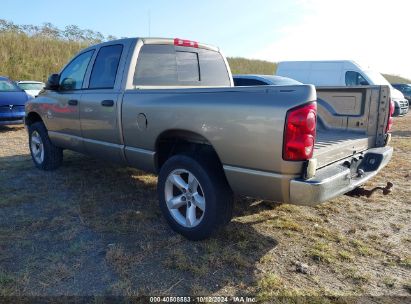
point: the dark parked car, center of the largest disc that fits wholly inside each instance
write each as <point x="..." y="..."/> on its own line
<point x="404" y="88"/>
<point x="255" y="80"/>
<point x="12" y="101"/>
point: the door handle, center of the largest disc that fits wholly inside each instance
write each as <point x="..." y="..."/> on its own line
<point x="73" y="102"/>
<point x="107" y="103"/>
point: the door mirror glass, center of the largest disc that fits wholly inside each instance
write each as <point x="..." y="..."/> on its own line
<point x="68" y="84"/>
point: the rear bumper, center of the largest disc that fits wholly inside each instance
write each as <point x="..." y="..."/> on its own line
<point x="337" y="179"/>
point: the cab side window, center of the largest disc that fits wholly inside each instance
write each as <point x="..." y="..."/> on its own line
<point x="156" y="66"/>
<point x="103" y="75"/>
<point x="73" y="75"/>
<point x="354" y="78"/>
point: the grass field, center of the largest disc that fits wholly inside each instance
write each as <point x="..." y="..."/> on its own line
<point x="91" y="228"/>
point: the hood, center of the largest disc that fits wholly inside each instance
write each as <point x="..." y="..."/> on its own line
<point x="395" y="94"/>
<point x="13" y="98"/>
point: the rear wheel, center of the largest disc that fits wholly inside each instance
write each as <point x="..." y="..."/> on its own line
<point x="45" y="155"/>
<point x="194" y="196"/>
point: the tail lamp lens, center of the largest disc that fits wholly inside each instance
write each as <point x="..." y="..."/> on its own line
<point x="390" y="119"/>
<point x="299" y="135"/>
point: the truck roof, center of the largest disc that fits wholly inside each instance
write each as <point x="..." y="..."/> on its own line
<point x="159" y="40"/>
<point x="298" y="63"/>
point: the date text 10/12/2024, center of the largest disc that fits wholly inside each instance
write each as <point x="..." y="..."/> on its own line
<point x="206" y="299"/>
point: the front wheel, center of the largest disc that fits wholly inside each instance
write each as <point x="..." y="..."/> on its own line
<point x="194" y="196"/>
<point x="45" y="155"/>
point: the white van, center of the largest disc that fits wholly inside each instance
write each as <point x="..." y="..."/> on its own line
<point x="339" y="73"/>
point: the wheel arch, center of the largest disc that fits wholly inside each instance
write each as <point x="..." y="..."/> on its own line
<point x="176" y="141"/>
<point x="31" y="118"/>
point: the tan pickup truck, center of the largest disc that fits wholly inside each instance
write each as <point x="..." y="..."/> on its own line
<point x="169" y="106"/>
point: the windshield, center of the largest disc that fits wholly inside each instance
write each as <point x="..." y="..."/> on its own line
<point x="31" y="86"/>
<point x="406" y="89"/>
<point x="376" y="78"/>
<point x="8" y="86"/>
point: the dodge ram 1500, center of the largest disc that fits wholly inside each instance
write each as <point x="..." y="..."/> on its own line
<point x="169" y="106"/>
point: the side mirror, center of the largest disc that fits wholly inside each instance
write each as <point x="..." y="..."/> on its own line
<point x="68" y="84"/>
<point x="363" y="83"/>
<point x="53" y="82"/>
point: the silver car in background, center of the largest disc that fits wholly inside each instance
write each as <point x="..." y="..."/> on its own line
<point x="32" y="88"/>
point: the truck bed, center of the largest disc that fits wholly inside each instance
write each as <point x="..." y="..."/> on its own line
<point x="349" y="121"/>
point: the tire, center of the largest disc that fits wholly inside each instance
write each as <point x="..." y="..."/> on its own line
<point x="44" y="154"/>
<point x="212" y="198"/>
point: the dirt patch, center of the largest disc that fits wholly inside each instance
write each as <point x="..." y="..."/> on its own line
<point x="91" y="228"/>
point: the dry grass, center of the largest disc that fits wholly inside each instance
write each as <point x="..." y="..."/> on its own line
<point x="251" y="66"/>
<point x="34" y="58"/>
<point x="91" y="228"/>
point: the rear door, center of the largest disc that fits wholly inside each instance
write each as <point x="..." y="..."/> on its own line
<point x="100" y="104"/>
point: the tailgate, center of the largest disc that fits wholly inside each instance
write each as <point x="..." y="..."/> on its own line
<point x="350" y="120"/>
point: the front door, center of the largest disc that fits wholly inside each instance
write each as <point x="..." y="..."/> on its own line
<point x="62" y="106"/>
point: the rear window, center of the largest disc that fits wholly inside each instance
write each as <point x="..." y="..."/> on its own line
<point x="188" y="68"/>
<point x="167" y="65"/>
<point x="213" y="69"/>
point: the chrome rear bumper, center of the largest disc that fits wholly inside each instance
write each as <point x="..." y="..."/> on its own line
<point x="338" y="178"/>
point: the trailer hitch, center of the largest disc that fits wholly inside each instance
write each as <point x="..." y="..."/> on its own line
<point x="361" y="191"/>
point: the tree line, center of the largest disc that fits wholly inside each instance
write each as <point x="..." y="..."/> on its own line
<point x="31" y="52"/>
<point x="50" y="31"/>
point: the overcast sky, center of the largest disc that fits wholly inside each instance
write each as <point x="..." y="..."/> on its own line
<point x="374" y="33"/>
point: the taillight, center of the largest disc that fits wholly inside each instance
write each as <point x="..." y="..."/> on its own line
<point x="390" y="119"/>
<point x="299" y="133"/>
<point x="183" y="42"/>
